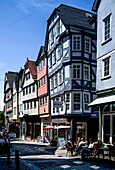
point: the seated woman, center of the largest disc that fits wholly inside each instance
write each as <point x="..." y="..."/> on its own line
<point x="85" y="151"/>
<point x="80" y="144"/>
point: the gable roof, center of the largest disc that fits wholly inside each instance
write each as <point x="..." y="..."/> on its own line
<point x="10" y="76"/>
<point x="32" y="67"/>
<point x="96" y="5"/>
<point x="72" y="16"/>
<point x="40" y="54"/>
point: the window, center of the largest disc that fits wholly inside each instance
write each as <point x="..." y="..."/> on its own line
<point x="57" y="108"/>
<point x="30" y="104"/>
<point x="50" y="61"/>
<point x="59" y="52"/>
<point x="51" y="36"/>
<point x="87" y="44"/>
<point x="76" y="100"/>
<point x="26" y="90"/>
<point x="34" y="104"/>
<point x="44" y="80"/>
<point x="54" y="57"/>
<point x="27" y="105"/>
<point x="67" y="101"/>
<point x="24" y="106"/>
<point x="106" y="63"/>
<point x="27" y="76"/>
<point x="57" y="28"/>
<point x="86" y="101"/>
<point x="51" y="82"/>
<point x="76" y="42"/>
<point x="29" y="89"/>
<point x="107" y="28"/>
<point x="86" y="72"/>
<point x="14" y="98"/>
<point x="45" y="99"/>
<point x="23" y="92"/>
<point x="33" y="87"/>
<point x="60" y="76"/>
<point x="43" y="62"/>
<point x="76" y="71"/>
<point x="55" y="80"/>
<point x="62" y="99"/>
<point x="14" y="110"/>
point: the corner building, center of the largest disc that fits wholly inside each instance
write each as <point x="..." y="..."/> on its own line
<point x="71" y="52"/>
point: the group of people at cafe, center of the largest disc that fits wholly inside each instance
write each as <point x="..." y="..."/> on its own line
<point x="83" y="147"/>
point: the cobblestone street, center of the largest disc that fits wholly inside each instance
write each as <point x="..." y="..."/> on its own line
<point x="42" y="157"/>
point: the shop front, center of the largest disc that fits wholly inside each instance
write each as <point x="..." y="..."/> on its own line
<point x="108" y="122"/>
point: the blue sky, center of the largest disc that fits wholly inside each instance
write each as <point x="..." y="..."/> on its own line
<point x="22" y="31"/>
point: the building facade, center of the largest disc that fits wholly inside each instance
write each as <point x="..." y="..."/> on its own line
<point x="71" y="52"/>
<point x="30" y="121"/>
<point x="9" y="82"/>
<point x="105" y="86"/>
<point x="43" y="94"/>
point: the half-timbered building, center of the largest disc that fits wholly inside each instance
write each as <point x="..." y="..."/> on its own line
<point x="71" y="51"/>
<point x="30" y="122"/>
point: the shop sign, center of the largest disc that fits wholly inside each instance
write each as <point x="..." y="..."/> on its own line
<point x="59" y="120"/>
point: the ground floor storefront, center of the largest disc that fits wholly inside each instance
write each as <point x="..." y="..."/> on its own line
<point x="30" y="127"/>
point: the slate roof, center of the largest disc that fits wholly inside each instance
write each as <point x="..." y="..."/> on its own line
<point x="10" y="77"/>
<point x="32" y="67"/>
<point x="72" y="16"/>
<point x="40" y="54"/>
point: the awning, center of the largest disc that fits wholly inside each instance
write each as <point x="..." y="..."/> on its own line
<point x="62" y="127"/>
<point x="102" y="100"/>
<point x="48" y="128"/>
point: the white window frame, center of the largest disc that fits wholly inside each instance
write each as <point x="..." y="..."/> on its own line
<point x="57" y="28"/>
<point x="86" y="76"/>
<point x="59" y="52"/>
<point x="60" y="76"/>
<point x="55" y="80"/>
<point x="87" y="44"/>
<point x="53" y="57"/>
<point x="76" y="42"/>
<point x="50" y="61"/>
<point x="76" y="71"/>
<point x="106" y="27"/>
<point x="77" y="102"/>
<point x="86" y="101"/>
<point x="67" y="101"/>
<point x="106" y="68"/>
<point x="51" y="83"/>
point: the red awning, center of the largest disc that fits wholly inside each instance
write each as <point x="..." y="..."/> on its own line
<point x="48" y="128"/>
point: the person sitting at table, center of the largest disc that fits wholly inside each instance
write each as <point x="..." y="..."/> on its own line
<point x="80" y="145"/>
<point x="86" y="150"/>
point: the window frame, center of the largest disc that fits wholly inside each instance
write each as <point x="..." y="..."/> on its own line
<point x="105" y="70"/>
<point x="75" y="70"/>
<point x="87" y="78"/>
<point x="87" y="44"/>
<point x="77" y="102"/>
<point x="86" y="102"/>
<point x="106" y="38"/>
<point x="76" y="42"/>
